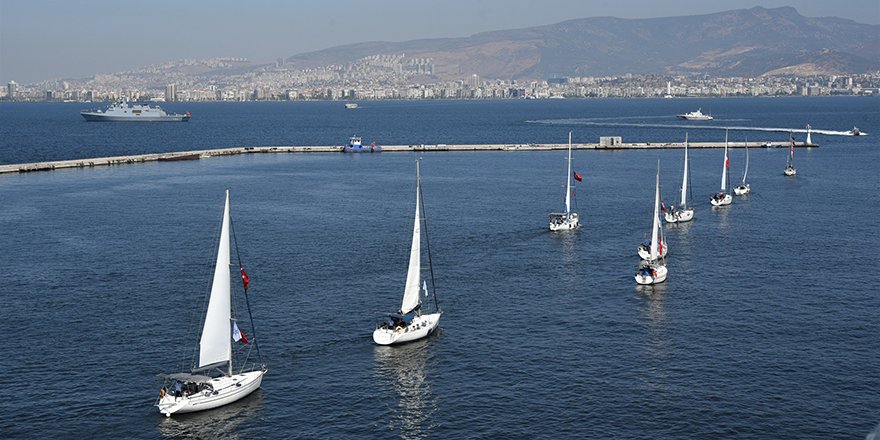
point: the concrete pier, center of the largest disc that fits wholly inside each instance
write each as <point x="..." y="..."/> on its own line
<point x="202" y="154"/>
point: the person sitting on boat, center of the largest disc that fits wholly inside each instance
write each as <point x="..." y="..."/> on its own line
<point x="206" y="388"/>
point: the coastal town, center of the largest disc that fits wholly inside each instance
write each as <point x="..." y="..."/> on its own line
<point x="396" y="76"/>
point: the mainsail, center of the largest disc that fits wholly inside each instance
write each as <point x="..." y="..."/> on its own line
<point x="414" y="273"/>
<point x="724" y="167"/>
<point x="655" y="231"/>
<point x="215" y="346"/>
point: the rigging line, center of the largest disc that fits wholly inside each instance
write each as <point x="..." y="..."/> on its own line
<point x="246" y="297"/>
<point x="427" y="239"/>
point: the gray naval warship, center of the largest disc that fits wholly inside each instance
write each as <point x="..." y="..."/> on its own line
<point x="122" y="111"/>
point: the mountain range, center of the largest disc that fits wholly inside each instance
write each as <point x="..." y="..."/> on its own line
<point x="745" y="42"/>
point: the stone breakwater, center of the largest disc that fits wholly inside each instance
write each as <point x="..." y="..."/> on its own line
<point x="202" y="154"/>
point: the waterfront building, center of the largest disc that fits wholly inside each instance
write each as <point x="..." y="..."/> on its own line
<point x="11" y="90"/>
<point x="171" y="92"/>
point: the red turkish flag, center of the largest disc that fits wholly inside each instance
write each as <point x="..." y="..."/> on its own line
<point x="244" y="278"/>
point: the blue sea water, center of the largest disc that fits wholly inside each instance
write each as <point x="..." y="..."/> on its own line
<point x="766" y="328"/>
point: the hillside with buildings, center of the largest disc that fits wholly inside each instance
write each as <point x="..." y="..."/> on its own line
<point x="752" y="52"/>
<point x="745" y="42"/>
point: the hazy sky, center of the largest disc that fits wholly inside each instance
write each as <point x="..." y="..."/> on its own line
<point x="49" y="39"/>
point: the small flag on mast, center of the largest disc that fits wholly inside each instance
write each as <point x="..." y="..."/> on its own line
<point x="237" y="334"/>
<point x="578" y="177"/>
<point x="245" y="280"/>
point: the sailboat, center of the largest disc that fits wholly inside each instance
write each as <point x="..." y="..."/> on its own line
<point x="789" y="167"/>
<point x="683" y="213"/>
<point x="214" y="381"/>
<point x="653" y="270"/>
<point x="409" y="323"/>
<point x="744" y="188"/>
<point x="644" y="248"/>
<point x="723" y="198"/>
<point x="563" y="221"/>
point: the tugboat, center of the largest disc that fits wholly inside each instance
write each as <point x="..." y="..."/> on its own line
<point x="122" y="111"/>
<point x="355" y="146"/>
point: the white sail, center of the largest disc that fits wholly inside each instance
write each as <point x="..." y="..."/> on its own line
<point x="568" y="182"/>
<point x="684" y="178"/>
<point x="414" y="273"/>
<point x="655" y="231"/>
<point x="724" y="166"/>
<point x="746" y="172"/>
<point x="215" y="345"/>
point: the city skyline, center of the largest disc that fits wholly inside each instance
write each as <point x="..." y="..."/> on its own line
<point x="80" y="39"/>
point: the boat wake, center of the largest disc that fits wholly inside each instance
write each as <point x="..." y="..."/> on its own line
<point x="596" y="122"/>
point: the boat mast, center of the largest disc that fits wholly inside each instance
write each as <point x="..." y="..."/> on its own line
<point x="568" y="182"/>
<point x="746" y="172"/>
<point x="684" y="177"/>
<point x="427" y="239"/>
<point x="414" y="270"/>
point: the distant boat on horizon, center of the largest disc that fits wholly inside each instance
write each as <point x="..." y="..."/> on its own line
<point x="122" y="111"/>
<point x="696" y="116"/>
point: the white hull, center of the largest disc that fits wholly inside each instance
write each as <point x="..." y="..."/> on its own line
<point x="722" y="201"/>
<point x="680" y="216"/>
<point x="657" y="275"/>
<point x="226" y="390"/>
<point x="742" y="190"/>
<point x="645" y="251"/>
<point x="696" y="116"/>
<point x="790" y="171"/>
<point x="565" y="225"/>
<point x="420" y="327"/>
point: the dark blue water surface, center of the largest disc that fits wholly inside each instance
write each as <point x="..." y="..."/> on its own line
<point x="767" y="327"/>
